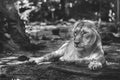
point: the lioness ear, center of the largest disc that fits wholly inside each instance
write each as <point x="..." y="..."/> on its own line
<point x="75" y="25"/>
<point x="96" y="25"/>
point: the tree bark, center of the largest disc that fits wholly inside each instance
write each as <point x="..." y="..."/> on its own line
<point x="64" y="9"/>
<point x="15" y="27"/>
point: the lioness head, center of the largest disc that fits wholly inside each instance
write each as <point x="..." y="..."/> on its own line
<point x="85" y="34"/>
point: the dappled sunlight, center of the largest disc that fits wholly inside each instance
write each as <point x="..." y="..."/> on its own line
<point x="30" y="29"/>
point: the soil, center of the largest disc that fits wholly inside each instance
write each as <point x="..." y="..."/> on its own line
<point x="57" y="70"/>
<point x="61" y="70"/>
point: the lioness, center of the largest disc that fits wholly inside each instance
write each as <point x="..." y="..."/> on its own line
<point x="84" y="47"/>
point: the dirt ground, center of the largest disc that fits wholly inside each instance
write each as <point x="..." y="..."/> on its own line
<point x="61" y="70"/>
<point x="58" y="70"/>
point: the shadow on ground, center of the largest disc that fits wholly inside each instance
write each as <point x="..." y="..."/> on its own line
<point x="62" y="70"/>
<point x="59" y="71"/>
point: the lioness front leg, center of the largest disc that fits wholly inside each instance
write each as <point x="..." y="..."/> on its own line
<point x="47" y="57"/>
<point x="96" y="64"/>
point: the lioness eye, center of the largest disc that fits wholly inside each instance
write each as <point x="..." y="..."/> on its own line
<point x="75" y="33"/>
<point x="84" y="32"/>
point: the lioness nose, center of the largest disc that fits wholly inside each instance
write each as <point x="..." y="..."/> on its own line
<point x="76" y="42"/>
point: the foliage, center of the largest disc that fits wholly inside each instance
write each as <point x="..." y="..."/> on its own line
<point x="89" y="9"/>
<point x="16" y="14"/>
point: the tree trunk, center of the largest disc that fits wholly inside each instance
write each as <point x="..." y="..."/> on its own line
<point x="15" y="27"/>
<point x="65" y="9"/>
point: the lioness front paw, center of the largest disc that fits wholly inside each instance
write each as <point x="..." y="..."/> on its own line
<point x="94" y="65"/>
<point x="36" y="60"/>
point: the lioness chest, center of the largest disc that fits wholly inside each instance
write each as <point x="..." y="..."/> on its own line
<point x="71" y="53"/>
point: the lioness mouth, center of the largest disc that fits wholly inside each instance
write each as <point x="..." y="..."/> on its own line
<point x="78" y="46"/>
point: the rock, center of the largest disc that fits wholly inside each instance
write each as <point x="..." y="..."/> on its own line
<point x="22" y="58"/>
<point x="56" y="31"/>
